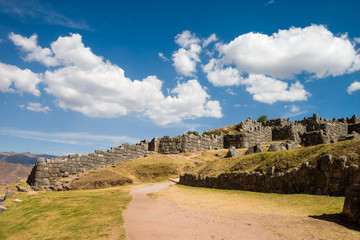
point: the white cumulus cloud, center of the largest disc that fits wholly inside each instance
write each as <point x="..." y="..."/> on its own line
<point x="312" y="49"/>
<point x="190" y="101"/>
<point x="268" y="90"/>
<point x="186" y="39"/>
<point x="14" y="79"/>
<point x="263" y="62"/>
<point x="219" y="75"/>
<point x="35" y="107"/>
<point x="33" y="50"/>
<point x="186" y="57"/>
<point x="210" y="39"/>
<point x="86" y="83"/>
<point x="355" y="86"/>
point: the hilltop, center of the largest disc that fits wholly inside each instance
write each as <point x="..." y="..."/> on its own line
<point x="27" y="159"/>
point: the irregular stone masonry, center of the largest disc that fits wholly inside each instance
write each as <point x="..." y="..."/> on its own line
<point x="328" y="177"/>
<point x="188" y="143"/>
<point x="288" y="132"/>
<point x="354" y="128"/>
<point x="258" y="135"/>
<point x="309" y="131"/>
<point x="46" y="171"/>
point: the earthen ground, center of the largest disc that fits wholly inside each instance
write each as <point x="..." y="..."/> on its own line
<point x="149" y="217"/>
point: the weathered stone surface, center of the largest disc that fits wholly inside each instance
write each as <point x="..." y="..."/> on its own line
<point x="21" y="188"/>
<point x="254" y="149"/>
<point x="219" y="154"/>
<point x="308" y="179"/>
<point x="309" y="131"/>
<point x="233" y="153"/>
<point x="274" y="147"/>
<point x="352" y="200"/>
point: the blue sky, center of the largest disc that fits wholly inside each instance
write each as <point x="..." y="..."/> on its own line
<point x="76" y="76"/>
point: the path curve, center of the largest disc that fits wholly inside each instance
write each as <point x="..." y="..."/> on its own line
<point x="148" y="218"/>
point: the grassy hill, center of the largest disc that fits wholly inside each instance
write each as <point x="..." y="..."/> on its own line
<point x="283" y="160"/>
<point x="97" y="214"/>
<point x="27" y="159"/>
<point x="10" y="172"/>
<point x="158" y="167"/>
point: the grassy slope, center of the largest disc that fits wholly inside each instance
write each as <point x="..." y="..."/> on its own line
<point x="93" y="214"/>
<point x="85" y="214"/>
<point x="96" y="214"/>
<point x="283" y="160"/>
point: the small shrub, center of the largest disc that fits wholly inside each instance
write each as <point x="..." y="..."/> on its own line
<point x="193" y="132"/>
<point x="262" y="118"/>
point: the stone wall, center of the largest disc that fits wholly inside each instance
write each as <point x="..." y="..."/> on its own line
<point x="328" y="177"/>
<point x="315" y="138"/>
<point x="354" y="128"/>
<point x="335" y="128"/>
<point x="288" y="132"/>
<point x="46" y="171"/>
<point x="259" y="134"/>
<point x="309" y="131"/>
<point x="351" y="209"/>
<point x="189" y="143"/>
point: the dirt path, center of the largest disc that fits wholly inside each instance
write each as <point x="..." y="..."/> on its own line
<point x="149" y="218"/>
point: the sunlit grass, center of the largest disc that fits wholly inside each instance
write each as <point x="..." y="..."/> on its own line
<point x="92" y="214"/>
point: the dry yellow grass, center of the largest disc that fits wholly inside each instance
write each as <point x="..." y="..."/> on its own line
<point x="283" y="213"/>
<point x="283" y="160"/>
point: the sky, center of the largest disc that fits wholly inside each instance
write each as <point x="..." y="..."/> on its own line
<point x="76" y="76"/>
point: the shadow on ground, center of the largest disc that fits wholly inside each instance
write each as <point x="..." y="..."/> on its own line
<point x="338" y="219"/>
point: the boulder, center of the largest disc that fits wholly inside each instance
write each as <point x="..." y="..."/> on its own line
<point x="290" y="144"/>
<point x="275" y="147"/>
<point x="21" y="188"/>
<point x="351" y="208"/>
<point x="254" y="149"/>
<point x="233" y="152"/>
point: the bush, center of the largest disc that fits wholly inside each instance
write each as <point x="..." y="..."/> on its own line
<point x="262" y="118"/>
<point x="193" y="132"/>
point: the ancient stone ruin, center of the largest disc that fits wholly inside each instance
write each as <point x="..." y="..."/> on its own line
<point x="309" y="131"/>
<point x="328" y="177"/>
<point x="351" y="208"/>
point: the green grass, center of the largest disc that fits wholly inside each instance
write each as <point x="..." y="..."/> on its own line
<point x="92" y="214"/>
<point x="283" y="160"/>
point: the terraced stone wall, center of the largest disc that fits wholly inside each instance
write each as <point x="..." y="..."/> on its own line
<point x="46" y="171"/>
<point x="329" y="177"/>
<point x="189" y="143"/>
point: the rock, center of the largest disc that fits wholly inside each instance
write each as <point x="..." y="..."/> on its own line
<point x="233" y="152"/>
<point x="17" y="200"/>
<point x="219" y="154"/>
<point x="36" y="188"/>
<point x="2" y="208"/>
<point x="275" y="147"/>
<point x="271" y="171"/>
<point x="290" y="144"/>
<point x="254" y="149"/>
<point x="351" y="208"/>
<point x="21" y="188"/>
<point x="338" y="167"/>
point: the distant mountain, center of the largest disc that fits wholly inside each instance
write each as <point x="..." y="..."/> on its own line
<point x="10" y="172"/>
<point x="27" y="159"/>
